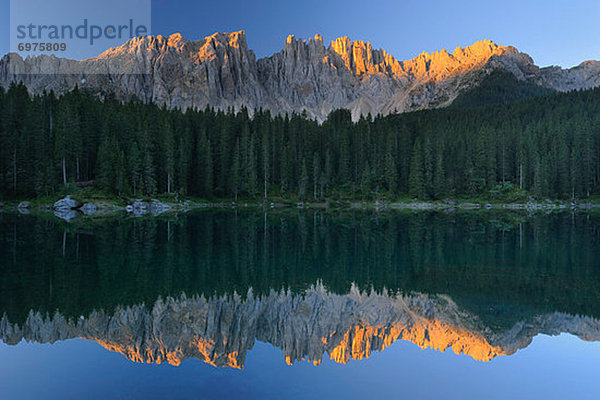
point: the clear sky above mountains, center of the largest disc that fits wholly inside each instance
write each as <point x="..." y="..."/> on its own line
<point x="552" y="32"/>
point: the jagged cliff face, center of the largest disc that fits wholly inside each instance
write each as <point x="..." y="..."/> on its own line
<point x="219" y="70"/>
<point x="221" y="331"/>
<point x="306" y="75"/>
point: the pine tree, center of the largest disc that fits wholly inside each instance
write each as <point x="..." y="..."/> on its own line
<point x="169" y="144"/>
<point x="391" y="173"/>
<point x="134" y="161"/>
<point x="252" y="172"/>
<point x="416" y="181"/>
<point x="205" y="167"/>
<point x="103" y="166"/>
<point x="303" y="185"/>
<point x="439" y="175"/>
<point x="183" y="162"/>
<point x="328" y="171"/>
<point x="266" y="160"/>
<point x="235" y="172"/>
<point x="316" y="174"/>
<point x="148" y="178"/>
<point x="366" y="181"/>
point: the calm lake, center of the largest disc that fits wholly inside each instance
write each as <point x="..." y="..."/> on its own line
<point x="294" y="305"/>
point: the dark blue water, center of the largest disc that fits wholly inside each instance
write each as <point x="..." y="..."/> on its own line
<point x="551" y="368"/>
<point x="461" y="306"/>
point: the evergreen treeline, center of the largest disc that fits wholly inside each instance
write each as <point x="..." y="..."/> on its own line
<point x="496" y="88"/>
<point x="548" y="145"/>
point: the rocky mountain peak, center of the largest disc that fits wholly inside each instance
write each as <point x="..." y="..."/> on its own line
<point x="290" y="40"/>
<point x="480" y="49"/>
<point x="175" y="42"/>
<point x="361" y="59"/>
<point x="441" y="65"/>
<point x="232" y="39"/>
<point x="221" y="71"/>
<point x="231" y="47"/>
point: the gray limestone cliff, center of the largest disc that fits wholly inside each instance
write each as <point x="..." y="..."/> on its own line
<point x="307" y="75"/>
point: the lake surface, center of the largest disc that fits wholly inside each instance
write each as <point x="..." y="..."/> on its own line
<point x="226" y="304"/>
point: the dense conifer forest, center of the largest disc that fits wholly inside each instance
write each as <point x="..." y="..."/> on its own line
<point x="548" y="146"/>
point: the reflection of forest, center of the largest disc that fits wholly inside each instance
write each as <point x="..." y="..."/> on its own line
<point x="495" y="266"/>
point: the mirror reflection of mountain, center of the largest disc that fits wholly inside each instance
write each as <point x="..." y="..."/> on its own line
<point x="166" y="289"/>
<point x="221" y="330"/>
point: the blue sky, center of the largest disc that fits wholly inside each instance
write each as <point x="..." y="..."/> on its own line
<point x="552" y="32"/>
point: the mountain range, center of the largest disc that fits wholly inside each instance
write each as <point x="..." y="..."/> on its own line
<point x="305" y="76"/>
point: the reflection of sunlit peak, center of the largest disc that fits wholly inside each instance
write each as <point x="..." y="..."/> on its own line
<point x="309" y="326"/>
<point x="360" y="341"/>
<point x="140" y="355"/>
<point x="175" y="357"/>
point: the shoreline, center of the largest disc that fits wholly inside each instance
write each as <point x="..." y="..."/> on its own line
<point x="153" y="207"/>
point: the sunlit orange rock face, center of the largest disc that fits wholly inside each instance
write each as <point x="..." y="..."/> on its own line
<point x="198" y="348"/>
<point x="308" y="326"/>
<point x="357" y="343"/>
<point x="360" y="58"/>
<point x="139" y="355"/>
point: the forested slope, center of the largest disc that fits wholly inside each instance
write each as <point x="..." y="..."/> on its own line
<point x="548" y="145"/>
